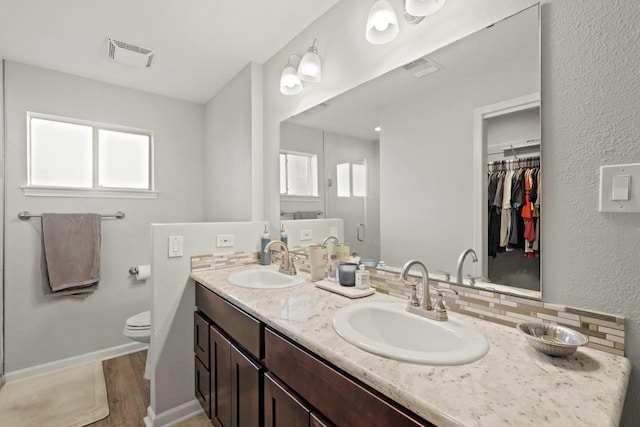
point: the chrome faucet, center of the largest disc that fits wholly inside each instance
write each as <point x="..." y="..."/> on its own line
<point x="287" y="266"/>
<point x="463" y="255"/>
<point x="325" y="241"/>
<point x="424" y="307"/>
<point x="413" y="300"/>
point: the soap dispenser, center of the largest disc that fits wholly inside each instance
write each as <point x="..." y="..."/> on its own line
<point x="283" y="235"/>
<point x="265" y="258"/>
<point x="363" y="278"/>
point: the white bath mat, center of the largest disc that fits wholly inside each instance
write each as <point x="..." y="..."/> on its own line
<point x="70" y="397"/>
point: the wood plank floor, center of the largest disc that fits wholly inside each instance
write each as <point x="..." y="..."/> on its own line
<point x="128" y="394"/>
<point x="127" y="391"/>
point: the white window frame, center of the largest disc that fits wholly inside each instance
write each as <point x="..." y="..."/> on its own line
<point x="96" y="190"/>
<point x="351" y="174"/>
<point x="288" y="197"/>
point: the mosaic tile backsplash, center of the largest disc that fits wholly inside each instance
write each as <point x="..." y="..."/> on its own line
<point x="606" y="332"/>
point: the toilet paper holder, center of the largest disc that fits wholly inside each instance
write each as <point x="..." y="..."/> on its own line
<point x="133" y="270"/>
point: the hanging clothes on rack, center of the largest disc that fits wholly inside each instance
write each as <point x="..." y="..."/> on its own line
<point x="513" y="206"/>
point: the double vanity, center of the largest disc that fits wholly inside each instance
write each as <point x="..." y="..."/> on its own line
<point x="274" y="355"/>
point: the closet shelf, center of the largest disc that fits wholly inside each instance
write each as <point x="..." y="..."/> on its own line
<point x="513" y="145"/>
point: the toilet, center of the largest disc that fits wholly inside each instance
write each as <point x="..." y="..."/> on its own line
<point x="138" y="327"/>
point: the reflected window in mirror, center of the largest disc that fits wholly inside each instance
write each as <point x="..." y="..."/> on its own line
<point x="351" y="180"/>
<point x="298" y="174"/>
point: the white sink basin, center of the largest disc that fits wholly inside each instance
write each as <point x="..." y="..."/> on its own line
<point x="264" y="279"/>
<point x="388" y="330"/>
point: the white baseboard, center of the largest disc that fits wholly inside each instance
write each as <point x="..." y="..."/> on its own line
<point x="173" y="415"/>
<point x="107" y="353"/>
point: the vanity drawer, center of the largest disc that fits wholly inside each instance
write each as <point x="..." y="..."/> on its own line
<point x="330" y="391"/>
<point x="201" y="339"/>
<point x="244" y="328"/>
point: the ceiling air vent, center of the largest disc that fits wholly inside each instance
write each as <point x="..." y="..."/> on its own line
<point x="422" y="66"/>
<point x="129" y="54"/>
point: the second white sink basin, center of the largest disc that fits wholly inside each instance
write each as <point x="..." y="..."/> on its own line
<point x="264" y="279"/>
<point x="388" y="330"/>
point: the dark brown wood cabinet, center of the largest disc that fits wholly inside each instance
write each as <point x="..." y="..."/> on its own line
<point x="282" y="408"/>
<point x="246" y="388"/>
<point x="228" y="378"/>
<point x="220" y="359"/>
<point x="252" y="376"/>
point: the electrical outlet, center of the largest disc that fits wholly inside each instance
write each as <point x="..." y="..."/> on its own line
<point x="306" y="235"/>
<point x="225" y="240"/>
<point x="333" y="231"/>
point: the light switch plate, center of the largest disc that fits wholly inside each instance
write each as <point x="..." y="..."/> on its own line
<point x="333" y="231"/>
<point x="225" y="240"/>
<point x="306" y="235"/>
<point x="617" y="183"/>
<point x="175" y="246"/>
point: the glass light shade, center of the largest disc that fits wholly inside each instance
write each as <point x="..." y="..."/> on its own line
<point x="290" y="83"/>
<point x="382" y="23"/>
<point x="310" y="68"/>
<point x="423" y="7"/>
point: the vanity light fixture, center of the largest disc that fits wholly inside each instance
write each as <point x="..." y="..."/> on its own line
<point x="310" y="68"/>
<point x="382" y="23"/>
<point x="290" y="83"/>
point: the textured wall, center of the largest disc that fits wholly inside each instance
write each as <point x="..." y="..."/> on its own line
<point x="590" y="116"/>
<point x="590" y="97"/>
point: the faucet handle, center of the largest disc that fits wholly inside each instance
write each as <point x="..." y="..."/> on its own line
<point x="472" y="279"/>
<point x="439" y="305"/>
<point x="446" y="274"/>
<point x="413" y="299"/>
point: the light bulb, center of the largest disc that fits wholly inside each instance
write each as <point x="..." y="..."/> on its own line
<point x="290" y="84"/>
<point x="423" y="7"/>
<point x="310" y="68"/>
<point x="382" y="23"/>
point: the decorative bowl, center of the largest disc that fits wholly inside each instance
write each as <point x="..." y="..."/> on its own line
<point x="371" y="263"/>
<point x="552" y="340"/>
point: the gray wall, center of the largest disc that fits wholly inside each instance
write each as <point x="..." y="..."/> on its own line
<point x="590" y="102"/>
<point x="2" y="189"/>
<point x="231" y="130"/>
<point x="40" y="329"/>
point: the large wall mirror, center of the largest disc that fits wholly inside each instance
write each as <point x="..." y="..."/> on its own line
<point x="432" y="158"/>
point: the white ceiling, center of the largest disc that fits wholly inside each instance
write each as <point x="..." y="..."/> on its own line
<point x="200" y="44"/>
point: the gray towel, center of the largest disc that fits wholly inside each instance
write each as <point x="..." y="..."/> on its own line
<point x="305" y="215"/>
<point x="71" y="244"/>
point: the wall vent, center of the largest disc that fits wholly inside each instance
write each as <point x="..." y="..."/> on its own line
<point x="129" y="54"/>
<point x="422" y="66"/>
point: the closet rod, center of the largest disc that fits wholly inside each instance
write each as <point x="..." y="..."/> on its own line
<point x="26" y="215"/>
<point x="518" y="160"/>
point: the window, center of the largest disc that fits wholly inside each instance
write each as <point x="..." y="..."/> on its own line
<point x="298" y="174"/>
<point x="351" y="179"/>
<point x="80" y="158"/>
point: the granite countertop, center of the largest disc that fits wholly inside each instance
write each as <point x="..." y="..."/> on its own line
<point x="512" y="385"/>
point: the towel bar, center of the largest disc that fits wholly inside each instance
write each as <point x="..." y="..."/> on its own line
<point x="26" y="215"/>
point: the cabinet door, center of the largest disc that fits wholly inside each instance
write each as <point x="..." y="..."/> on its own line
<point x="220" y="360"/>
<point x="201" y="339"/>
<point x="318" y="420"/>
<point x="203" y="387"/>
<point x="281" y="407"/>
<point x="246" y="399"/>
